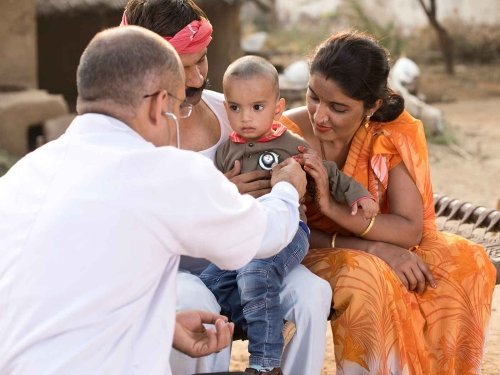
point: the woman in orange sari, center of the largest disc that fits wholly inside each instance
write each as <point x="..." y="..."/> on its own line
<point x="407" y="299"/>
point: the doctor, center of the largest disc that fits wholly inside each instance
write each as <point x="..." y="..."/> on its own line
<point x="93" y="224"/>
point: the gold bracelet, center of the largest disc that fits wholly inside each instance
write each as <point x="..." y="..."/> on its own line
<point x="368" y="228"/>
<point x="333" y="240"/>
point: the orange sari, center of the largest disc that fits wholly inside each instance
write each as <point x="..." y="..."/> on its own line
<point x="379" y="327"/>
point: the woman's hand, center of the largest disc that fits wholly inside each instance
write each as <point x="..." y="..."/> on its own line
<point x="408" y="266"/>
<point x="313" y="164"/>
<point x="256" y="183"/>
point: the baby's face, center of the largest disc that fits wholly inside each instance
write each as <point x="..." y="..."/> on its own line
<point x="251" y="106"/>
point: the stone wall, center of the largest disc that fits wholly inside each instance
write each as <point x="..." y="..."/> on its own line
<point x="24" y="109"/>
<point x="63" y="34"/>
<point x="18" y="62"/>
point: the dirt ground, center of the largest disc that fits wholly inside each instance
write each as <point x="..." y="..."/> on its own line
<point x="468" y="170"/>
<point x="472" y="176"/>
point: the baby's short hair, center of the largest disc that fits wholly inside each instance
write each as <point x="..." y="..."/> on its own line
<point x="250" y="66"/>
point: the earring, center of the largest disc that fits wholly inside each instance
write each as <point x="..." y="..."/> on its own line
<point x="367" y="120"/>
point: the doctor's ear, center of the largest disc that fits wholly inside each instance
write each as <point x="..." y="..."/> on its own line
<point x="155" y="107"/>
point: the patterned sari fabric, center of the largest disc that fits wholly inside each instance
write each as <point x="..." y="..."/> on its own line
<point x="379" y="327"/>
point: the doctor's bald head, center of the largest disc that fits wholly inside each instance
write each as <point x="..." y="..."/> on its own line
<point x="122" y="64"/>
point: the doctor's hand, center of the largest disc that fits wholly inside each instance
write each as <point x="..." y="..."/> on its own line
<point x="255" y="183"/>
<point x="192" y="338"/>
<point x="292" y="172"/>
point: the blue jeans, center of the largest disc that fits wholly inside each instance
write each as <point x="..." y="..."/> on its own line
<point x="250" y="297"/>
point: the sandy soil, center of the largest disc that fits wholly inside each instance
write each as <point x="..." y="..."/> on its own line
<point x="469" y="170"/>
<point x="472" y="176"/>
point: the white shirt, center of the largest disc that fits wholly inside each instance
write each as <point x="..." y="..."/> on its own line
<point x="91" y="228"/>
<point x="215" y="101"/>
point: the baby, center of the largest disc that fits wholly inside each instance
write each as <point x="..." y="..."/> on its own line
<point x="250" y="295"/>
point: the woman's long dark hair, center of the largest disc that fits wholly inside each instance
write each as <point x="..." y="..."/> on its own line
<point x="360" y="66"/>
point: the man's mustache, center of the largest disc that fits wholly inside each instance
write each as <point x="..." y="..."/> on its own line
<point x="191" y="91"/>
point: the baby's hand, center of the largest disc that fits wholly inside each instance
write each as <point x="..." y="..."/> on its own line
<point x="369" y="206"/>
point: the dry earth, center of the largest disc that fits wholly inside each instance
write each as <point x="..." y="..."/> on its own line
<point x="469" y="170"/>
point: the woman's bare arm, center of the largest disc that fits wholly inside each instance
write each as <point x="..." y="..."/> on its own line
<point x="402" y="226"/>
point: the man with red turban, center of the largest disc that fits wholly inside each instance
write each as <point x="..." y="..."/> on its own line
<point x="305" y="298"/>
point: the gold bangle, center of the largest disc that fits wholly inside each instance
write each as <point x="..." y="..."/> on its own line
<point x="368" y="228"/>
<point x="333" y="240"/>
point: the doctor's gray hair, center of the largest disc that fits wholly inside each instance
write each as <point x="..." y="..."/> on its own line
<point x="122" y="64"/>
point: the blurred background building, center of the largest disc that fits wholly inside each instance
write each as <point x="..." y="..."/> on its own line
<point x="41" y="42"/>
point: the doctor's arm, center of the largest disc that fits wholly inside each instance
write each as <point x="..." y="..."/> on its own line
<point x="232" y="228"/>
